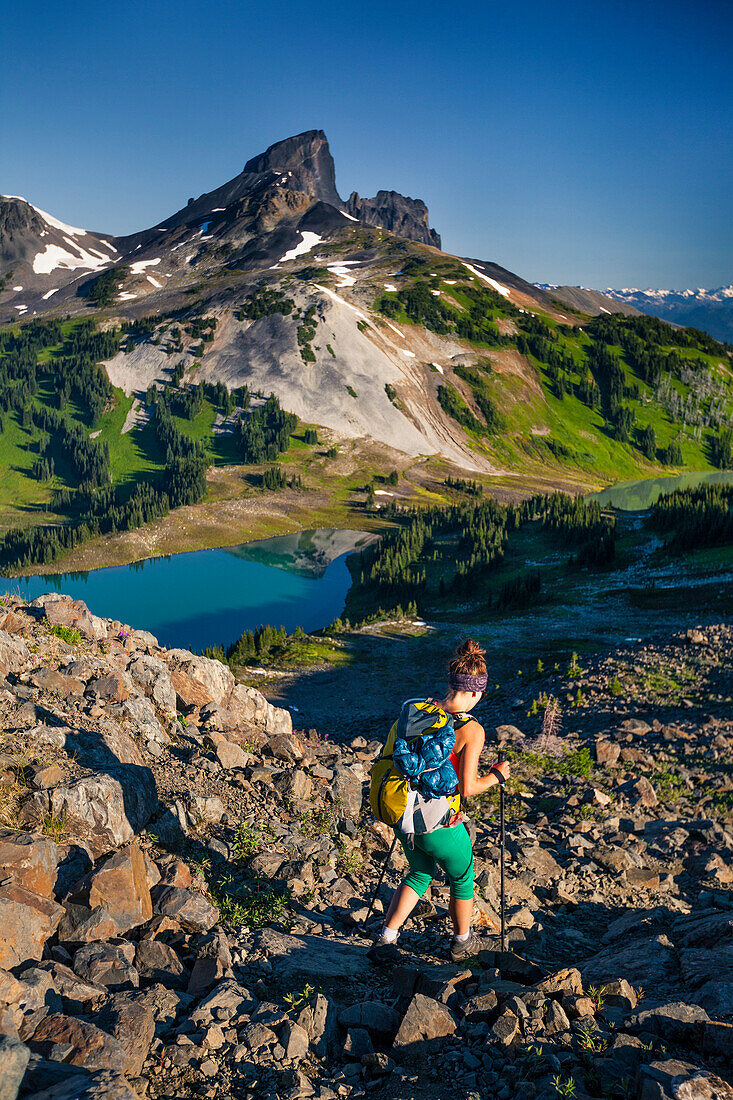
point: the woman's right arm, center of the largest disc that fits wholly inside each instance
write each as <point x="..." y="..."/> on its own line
<point x="469" y="781"/>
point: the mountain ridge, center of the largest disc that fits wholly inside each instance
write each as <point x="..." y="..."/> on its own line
<point x="708" y="309"/>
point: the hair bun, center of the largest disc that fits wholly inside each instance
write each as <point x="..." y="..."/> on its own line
<point x="470" y="646"/>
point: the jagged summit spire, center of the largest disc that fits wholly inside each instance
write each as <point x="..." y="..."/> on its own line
<point x="306" y="160"/>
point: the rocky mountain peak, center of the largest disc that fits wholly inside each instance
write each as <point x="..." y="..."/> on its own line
<point x="395" y="212"/>
<point x="306" y="161"/>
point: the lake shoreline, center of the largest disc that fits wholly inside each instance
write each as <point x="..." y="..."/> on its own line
<point x="208" y="598"/>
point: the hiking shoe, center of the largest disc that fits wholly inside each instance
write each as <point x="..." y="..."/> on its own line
<point x="383" y="952"/>
<point x="466" y="950"/>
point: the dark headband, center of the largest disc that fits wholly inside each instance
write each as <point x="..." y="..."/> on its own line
<point x="462" y="681"/>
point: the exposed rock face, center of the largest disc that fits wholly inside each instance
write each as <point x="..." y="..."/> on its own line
<point x="307" y="163"/>
<point x="397" y="213"/>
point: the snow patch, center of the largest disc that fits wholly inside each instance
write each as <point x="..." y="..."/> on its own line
<point x="389" y="325"/>
<point x="605" y="310"/>
<point x="390" y="286"/>
<point x="342" y="271"/>
<point x="409" y="354"/>
<point x="126" y="297"/>
<point x="48" y="293"/>
<point x="138" y="267"/>
<point x="218" y="209"/>
<point x="20" y="309"/>
<point x="308" y="241"/>
<point x="438" y="368"/>
<point x="153" y="281"/>
<point x="435" y="293"/>
<point x="337" y="298"/>
<point x="55" y="256"/>
<point x="349" y="216"/>
<point x="492" y="282"/>
<point x="382" y="493"/>
<point x="17" y="288"/>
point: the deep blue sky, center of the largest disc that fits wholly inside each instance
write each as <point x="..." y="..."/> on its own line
<point x="571" y="142"/>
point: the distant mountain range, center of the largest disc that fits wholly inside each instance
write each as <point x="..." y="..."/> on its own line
<point x="709" y="310"/>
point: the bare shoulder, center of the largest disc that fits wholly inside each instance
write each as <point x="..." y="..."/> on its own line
<point x="470" y="733"/>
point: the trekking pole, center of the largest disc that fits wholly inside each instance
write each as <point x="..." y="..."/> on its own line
<point x="501" y="857"/>
<point x="381" y="877"/>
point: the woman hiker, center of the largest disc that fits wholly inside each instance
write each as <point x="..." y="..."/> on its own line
<point x="449" y="846"/>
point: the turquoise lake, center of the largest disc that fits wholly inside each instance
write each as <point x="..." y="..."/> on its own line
<point x="208" y="597"/>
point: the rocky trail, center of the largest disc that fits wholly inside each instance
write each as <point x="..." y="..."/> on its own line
<point x="185" y="878"/>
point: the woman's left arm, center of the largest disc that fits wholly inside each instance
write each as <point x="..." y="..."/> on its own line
<point x="469" y="781"/>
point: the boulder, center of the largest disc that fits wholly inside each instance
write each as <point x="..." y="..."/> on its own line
<point x="295" y="1040"/>
<point x="286" y="748"/>
<point x="640" y="792"/>
<point x="27" y="920"/>
<point x="153" y="676"/>
<point x="28" y="861"/>
<point x="80" y="924"/>
<point x="347" y="791"/>
<point x="78" y="997"/>
<point x="119" y="885"/>
<point x="78" y="1084"/>
<point x="716" y="998"/>
<point x="213" y="962"/>
<point x="540" y="861"/>
<point x="293" y="957"/>
<point x="231" y="756"/>
<point x="91" y="1047"/>
<point x="674" y="1080"/>
<point x="14" y="653"/>
<point x="14" y="1057"/>
<point x="107" y="964"/>
<point x="130" y="1020"/>
<point x="718" y="1040"/>
<point x="61" y="610"/>
<point x="607" y="753"/>
<point x="208" y="811"/>
<point x="175" y="872"/>
<point x="212" y="677"/>
<point x="51" y="680"/>
<point x="506" y="1029"/>
<point x="374" y="1016"/>
<point x="141" y="713"/>
<point x="481" y="1007"/>
<point x="230" y="1002"/>
<point x="424" y="1024"/>
<point x="107" y="810"/>
<point x="620" y="995"/>
<point x="114" y="687"/>
<point x="192" y="911"/>
<point x="644" y="962"/>
<point x="505" y="733"/>
<point x="157" y="962"/>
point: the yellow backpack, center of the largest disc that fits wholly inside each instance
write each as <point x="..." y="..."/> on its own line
<point x="391" y="796"/>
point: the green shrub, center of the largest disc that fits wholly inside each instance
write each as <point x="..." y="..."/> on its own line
<point x="67" y="633"/>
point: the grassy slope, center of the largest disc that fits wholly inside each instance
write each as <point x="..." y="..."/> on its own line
<point x="535" y="414"/>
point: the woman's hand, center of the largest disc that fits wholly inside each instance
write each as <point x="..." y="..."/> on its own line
<point x="504" y="767"/>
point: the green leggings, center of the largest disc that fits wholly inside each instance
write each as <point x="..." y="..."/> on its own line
<point x="450" y="849"/>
